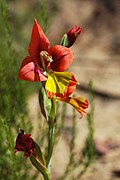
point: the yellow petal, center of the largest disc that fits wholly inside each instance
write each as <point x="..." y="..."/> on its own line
<point x="58" y="81"/>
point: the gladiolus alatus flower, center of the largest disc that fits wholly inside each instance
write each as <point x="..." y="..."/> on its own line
<point x="25" y="143"/>
<point x="79" y="103"/>
<point x="70" y="37"/>
<point x="46" y="63"/>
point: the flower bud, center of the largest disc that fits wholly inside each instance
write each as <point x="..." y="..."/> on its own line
<point x="25" y="143"/>
<point x="70" y="37"/>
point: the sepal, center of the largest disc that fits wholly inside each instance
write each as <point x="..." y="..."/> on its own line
<point x="64" y="41"/>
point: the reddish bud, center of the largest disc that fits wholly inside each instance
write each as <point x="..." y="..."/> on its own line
<point x="25" y="143"/>
<point x="72" y="35"/>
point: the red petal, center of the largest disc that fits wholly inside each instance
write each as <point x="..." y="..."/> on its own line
<point x="30" y="72"/>
<point x="62" y="58"/>
<point x="71" y="87"/>
<point x="39" y="41"/>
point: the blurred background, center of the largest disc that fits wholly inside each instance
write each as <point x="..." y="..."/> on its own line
<point x="97" y="60"/>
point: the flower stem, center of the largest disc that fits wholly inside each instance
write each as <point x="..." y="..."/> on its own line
<point x="50" y="146"/>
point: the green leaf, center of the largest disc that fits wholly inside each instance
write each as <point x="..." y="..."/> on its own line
<point x="52" y="115"/>
<point x="40" y="154"/>
<point x="45" y="103"/>
<point x="41" y="167"/>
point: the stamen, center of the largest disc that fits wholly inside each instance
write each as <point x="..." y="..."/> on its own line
<point x="46" y="56"/>
<point x="49" y="59"/>
<point x="42" y="59"/>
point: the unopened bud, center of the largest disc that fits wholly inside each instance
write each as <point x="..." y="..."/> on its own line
<point x="70" y="37"/>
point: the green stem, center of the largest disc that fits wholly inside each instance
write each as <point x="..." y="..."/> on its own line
<point x="50" y="146"/>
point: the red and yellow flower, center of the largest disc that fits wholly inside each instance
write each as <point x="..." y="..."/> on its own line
<point x="46" y="63"/>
